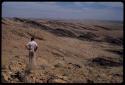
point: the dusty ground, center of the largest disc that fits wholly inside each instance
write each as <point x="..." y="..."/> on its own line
<point x="69" y="51"/>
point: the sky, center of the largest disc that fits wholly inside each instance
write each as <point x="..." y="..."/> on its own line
<point x="64" y="10"/>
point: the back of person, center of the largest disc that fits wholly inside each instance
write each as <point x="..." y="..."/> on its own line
<point x="32" y="46"/>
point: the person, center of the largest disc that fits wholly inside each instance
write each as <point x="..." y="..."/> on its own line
<point x="32" y="47"/>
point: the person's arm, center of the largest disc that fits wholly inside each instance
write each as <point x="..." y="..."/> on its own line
<point x="36" y="47"/>
<point x="27" y="46"/>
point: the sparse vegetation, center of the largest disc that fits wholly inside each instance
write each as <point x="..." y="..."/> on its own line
<point x="69" y="52"/>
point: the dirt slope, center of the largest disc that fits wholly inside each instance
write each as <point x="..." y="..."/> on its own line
<point x="69" y="52"/>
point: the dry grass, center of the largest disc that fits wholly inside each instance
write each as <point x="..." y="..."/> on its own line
<point x="64" y="55"/>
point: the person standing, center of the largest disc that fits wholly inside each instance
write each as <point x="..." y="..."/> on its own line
<point x="32" y="47"/>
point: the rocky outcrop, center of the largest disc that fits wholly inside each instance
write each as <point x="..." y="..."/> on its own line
<point x="106" y="61"/>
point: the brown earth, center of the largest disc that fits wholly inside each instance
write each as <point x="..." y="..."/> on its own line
<point x="69" y="52"/>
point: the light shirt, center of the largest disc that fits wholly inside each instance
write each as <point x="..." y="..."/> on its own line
<point x="32" y="45"/>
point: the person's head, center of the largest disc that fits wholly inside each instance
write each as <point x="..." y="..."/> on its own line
<point x="32" y="38"/>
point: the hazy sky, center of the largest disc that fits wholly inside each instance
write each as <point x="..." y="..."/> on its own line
<point x="64" y="10"/>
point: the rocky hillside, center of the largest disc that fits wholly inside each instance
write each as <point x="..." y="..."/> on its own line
<point x="69" y="51"/>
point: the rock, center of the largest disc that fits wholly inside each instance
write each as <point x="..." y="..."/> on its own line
<point x="106" y="61"/>
<point x="90" y="81"/>
<point x="58" y="65"/>
<point x="52" y="67"/>
<point x="5" y="78"/>
<point x="87" y="36"/>
<point x="38" y="81"/>
<point x="10" y="72"/>
<point x="16" y="80"/>
<point x="74" y="65"/>
<point x="63" y="77"/>
<point x="20" y="63"/>
<point x="58" y="81"/>
<point x="17" y="56"/>
<point x="43" y="66"/>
